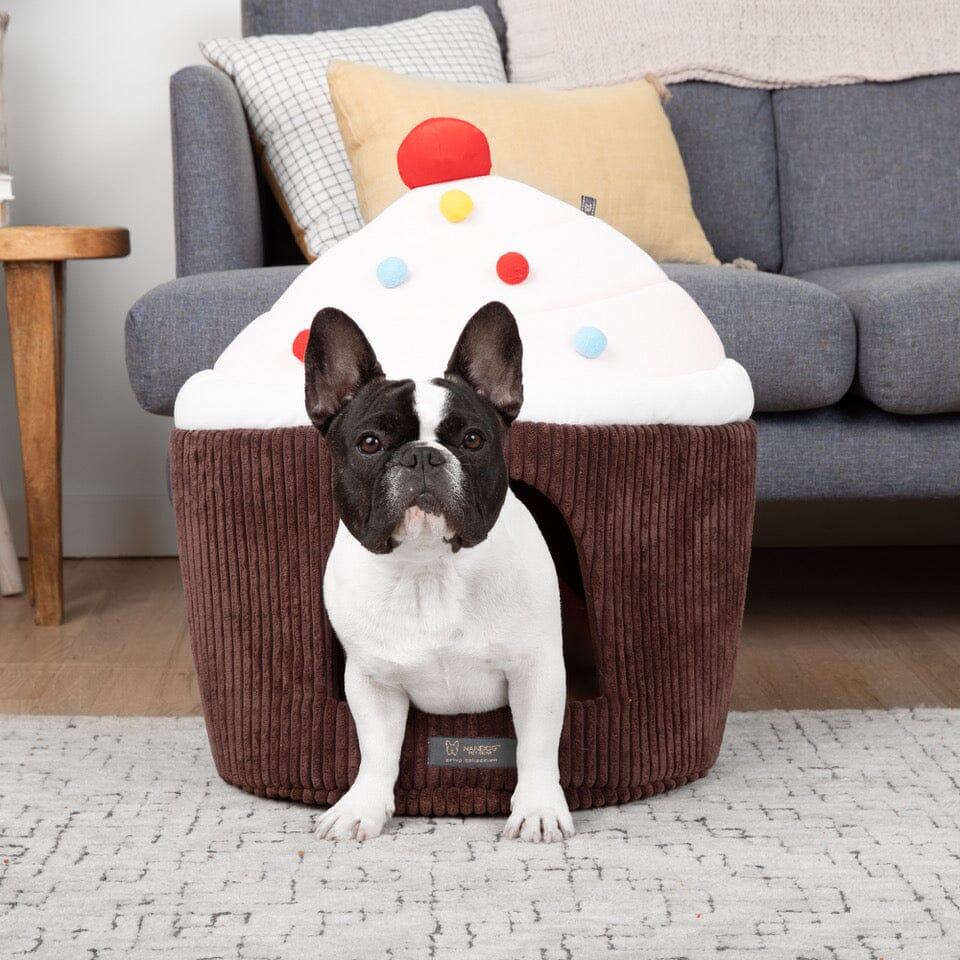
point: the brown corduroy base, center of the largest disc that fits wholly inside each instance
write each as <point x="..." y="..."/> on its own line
<point x="661" y="517"/>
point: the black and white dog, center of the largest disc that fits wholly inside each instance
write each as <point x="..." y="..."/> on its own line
<point x="439" y="585"/>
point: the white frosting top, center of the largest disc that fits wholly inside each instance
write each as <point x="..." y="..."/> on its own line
<point x="663" y="363"/>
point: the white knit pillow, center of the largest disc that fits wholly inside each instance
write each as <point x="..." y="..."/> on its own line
<point x="282" y="82"/>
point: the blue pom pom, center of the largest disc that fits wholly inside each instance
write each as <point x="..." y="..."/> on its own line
<point x="589" y="342"/>
<point x="392" y="272"/>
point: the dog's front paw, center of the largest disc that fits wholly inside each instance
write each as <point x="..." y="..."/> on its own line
<point x="539" y="814"/>
<point x="358" y="815"/>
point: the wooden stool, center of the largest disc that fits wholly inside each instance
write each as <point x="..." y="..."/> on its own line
<point x="34" y="259"/>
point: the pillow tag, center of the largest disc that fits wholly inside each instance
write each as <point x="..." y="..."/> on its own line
<point x="471" y="752"/>
<point x="588" y="205"/>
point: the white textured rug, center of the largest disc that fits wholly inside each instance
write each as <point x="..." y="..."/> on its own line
<point x="831" y="835"/>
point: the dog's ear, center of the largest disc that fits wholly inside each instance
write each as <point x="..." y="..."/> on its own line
<point x="338" y="361"/>
<point x="489" y="357"/>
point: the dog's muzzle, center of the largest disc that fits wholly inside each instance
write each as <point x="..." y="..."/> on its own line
<point x="424" y="477"/>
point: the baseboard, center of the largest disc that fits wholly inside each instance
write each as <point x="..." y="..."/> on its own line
<point x="107" y="526"/>
<point x="857" y="523"/>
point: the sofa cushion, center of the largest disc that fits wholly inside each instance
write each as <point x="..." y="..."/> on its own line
<point x="869" y="173"/>
<point x="795" y="339"/>
<point x="282" y="84"/>
<point x="908" y="332"/>
<point x="182" y="326"/>
<point x="725" y="135"/>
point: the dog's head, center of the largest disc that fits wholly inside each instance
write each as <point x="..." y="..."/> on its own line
<point x="416" y="462"/>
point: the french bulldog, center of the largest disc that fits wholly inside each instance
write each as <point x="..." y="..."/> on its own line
<point x="439" y="584"/>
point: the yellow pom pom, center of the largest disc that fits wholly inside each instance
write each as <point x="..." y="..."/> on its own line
<point x="456" y="205"/>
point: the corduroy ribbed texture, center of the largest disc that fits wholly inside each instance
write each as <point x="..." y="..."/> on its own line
<point x="662" y="519"/>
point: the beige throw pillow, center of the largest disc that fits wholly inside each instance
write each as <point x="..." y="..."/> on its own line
<point x="608" y="150"/>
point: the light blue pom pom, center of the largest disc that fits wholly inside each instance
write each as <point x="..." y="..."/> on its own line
<point x="589" y="342"/>
<point x="392" y="272"/>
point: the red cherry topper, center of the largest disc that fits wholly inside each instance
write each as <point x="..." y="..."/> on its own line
<point x="441" y="149"/>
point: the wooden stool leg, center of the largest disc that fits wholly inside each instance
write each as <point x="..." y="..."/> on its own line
<point x="33" y="311"/>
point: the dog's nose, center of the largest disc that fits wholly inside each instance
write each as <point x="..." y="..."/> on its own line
<point x="413" y="457"/>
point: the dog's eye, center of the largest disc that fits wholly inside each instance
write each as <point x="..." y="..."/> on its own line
<point x="369" y="443"/>
<point x="472" y="440"/>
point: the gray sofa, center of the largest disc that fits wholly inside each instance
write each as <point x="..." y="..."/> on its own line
<point x="847" y="198"/>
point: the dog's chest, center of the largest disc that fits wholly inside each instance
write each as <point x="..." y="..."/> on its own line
<point x="424" y="629"/>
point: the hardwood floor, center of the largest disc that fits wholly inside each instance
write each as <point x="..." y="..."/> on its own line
<point x="830" y="627"/>
<point x="123" y="647"/>
<point x="851" y="627"/>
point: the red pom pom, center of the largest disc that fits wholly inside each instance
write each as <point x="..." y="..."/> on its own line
<point x="300" y="344"/>
<point x="441" y="149"/>
<point x="513" y="268"/>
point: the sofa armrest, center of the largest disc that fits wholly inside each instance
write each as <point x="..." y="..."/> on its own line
<point x="183" y="325"/>
<point x="216" y="200"/>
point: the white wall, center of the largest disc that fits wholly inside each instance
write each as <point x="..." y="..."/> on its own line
<point x="89" y="133"/>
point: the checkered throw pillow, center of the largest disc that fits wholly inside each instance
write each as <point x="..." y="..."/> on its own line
<point x="282" y="82"/>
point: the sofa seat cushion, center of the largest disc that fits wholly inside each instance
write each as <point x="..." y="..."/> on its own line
<point x="796" y="340"/>
<point x="182" y="326"/>
<point x="908" y="331"/>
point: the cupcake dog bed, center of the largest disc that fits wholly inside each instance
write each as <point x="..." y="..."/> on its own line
<point x="633" y="451"/>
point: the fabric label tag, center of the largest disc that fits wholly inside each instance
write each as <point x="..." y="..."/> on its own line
<point x="588" y="205"/>
<point x="471" y="752"/>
